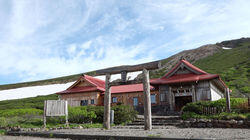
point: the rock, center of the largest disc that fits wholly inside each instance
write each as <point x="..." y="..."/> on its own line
<point x="80" y="127"/>
<point x="240" y="122"/>
<point x="201" y="125"/>
<point x="209" y="125"/>
<point x="232" y="122"/>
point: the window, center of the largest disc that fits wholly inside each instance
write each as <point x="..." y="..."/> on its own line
<point x="92" y="101"/>
<point x="84" y="102"/>
<point x="163" y="97"/>
<point x="152" y="96"/>
<point x="135" y="101"/>
<point x="114" y="99"/>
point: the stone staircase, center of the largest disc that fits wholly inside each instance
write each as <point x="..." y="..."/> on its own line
<point x="158" y="122"/>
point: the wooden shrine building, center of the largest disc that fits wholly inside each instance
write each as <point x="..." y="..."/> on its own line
<point x="184" y="83"/>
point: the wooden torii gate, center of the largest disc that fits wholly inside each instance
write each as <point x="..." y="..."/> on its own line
<point x="146" y="87"/>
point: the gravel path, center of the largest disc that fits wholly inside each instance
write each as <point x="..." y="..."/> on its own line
<point x="217" y="133"/>
<point x="26" y="138"/>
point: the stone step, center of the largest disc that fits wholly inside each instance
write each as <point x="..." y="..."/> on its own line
<point x="169" y="118"/>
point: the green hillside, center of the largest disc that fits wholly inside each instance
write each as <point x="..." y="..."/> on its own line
<point x="234" y="67"/>
<point x="33" y="102"/>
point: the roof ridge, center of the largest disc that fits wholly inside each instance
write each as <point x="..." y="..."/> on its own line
<point x="187" y="64"/>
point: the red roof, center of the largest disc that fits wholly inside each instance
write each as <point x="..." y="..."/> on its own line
<point x="187" y="64"/>
<point x="182" y="78"/>
<point x="170" y="77"/>
<point x="81" y="89"/>
<point x="98" y="85"/>
<point x="128" y="88"/>
<point x="97" y="82"/>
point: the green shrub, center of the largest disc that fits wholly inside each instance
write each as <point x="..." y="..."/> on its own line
<point x="228" y="116"/>
<point x="86" y="114"/>
<point x="81" y="114"/>
<point x="3" y="122"/>
<point x="20" y="112"/>
<point x="99" y="111"/>
<point x="188" y="115"/>
<point x="56" y="120"/>
<point x="123" y="114"/>
<point x="196" y="107"/>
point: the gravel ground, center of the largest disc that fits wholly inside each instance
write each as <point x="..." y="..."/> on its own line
<point x="216" y="133"/>
<point x="25" y="138"/>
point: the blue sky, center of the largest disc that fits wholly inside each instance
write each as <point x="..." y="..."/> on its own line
<point x="42" y="39"/>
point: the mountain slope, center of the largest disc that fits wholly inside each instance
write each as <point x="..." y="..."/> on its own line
<point x="232" y="64"/>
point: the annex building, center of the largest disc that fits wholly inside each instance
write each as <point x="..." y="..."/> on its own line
<point x="184" y="83"/>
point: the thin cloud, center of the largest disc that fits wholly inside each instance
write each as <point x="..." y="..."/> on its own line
<point x="41" y="39"/>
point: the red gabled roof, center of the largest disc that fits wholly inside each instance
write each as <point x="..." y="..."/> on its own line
<point x="182" y="78"/>
<point x="187" y="64"/>
<point x="81" y="89"/>
<point x="98" y="85"/>
<point x="128" y="88"/>
<point x="98" y="82"/>
<point x="170" y="77"/>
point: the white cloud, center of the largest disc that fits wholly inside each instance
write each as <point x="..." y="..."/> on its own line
<point x="40" y="39"/>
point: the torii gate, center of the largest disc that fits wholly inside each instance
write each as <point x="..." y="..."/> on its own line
<point x="123" y="70"/>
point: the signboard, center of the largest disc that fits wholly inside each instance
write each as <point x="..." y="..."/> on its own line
<point x="55" y="108"/>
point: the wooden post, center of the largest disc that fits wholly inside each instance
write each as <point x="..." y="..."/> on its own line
<point x="124" y="76"/>
<point x="44" y="114"/>
<point x="107" y="101"/>
<point x="171" y="99"/>
<point x="228" y="100"/>
<point x="193" y="94"/>
<point x="147" y="101"/>
<point x="66" y="112"/>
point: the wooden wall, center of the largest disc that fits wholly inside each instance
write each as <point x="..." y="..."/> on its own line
<point x="127" y="98"/>
<point x="203" y="92"/>
<point x="74" y="99"/>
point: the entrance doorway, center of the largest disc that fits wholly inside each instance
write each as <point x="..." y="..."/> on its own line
<point x="182" y="101"/>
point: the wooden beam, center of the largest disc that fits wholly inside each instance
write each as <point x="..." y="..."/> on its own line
<point x="129" y="68"/>
<point x="228" y="100"/>
<point x="147" y="101"/>
<point x="107" y="101"/>
<point x="129" y="82"/>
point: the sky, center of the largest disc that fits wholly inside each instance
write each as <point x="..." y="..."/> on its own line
<point x="42" y="39"/>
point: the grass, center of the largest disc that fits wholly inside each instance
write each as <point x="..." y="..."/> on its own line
<point x="221" y="116"/>
<point x="2" y="132"/>
<point x="32" y="102"/>
<point x="234" y="67"/>
<point x="58" y="80"/>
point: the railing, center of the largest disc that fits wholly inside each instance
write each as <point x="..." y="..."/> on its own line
<point x="212" y="110"/>
<point x="206" y="110"/>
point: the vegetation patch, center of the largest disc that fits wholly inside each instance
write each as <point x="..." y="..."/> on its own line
<point x="233" y="65"/>
<point x="238" y="107"/>
<point x="80" y="117"/>
<point x="2" y="132"/>
<point x="32" y="102"/>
